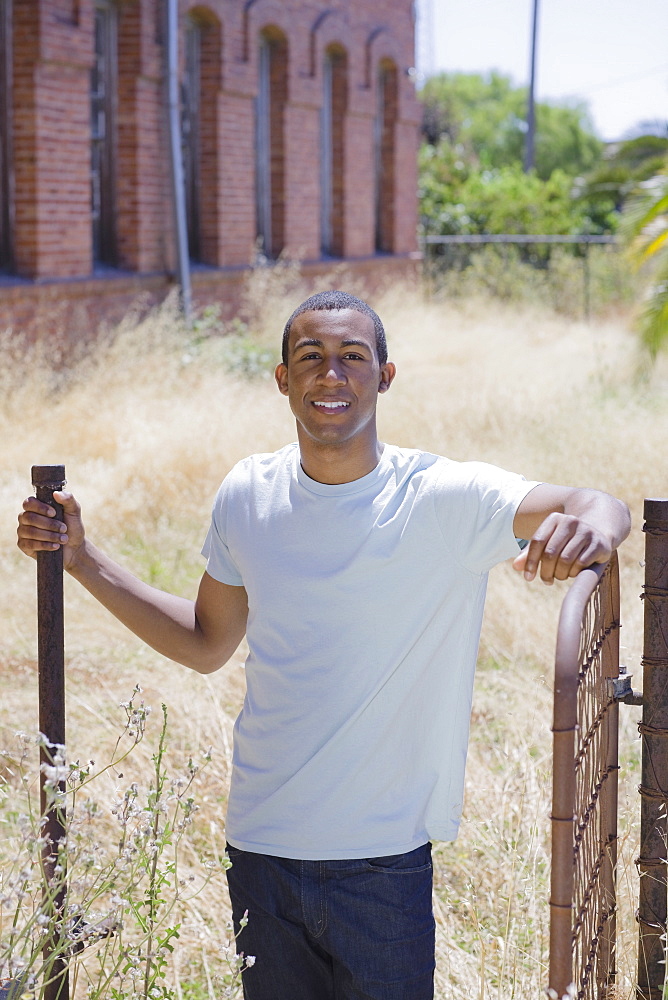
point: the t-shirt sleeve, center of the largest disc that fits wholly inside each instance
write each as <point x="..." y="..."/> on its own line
<point x="219" y="562"/>
<point x="476" y="508"/>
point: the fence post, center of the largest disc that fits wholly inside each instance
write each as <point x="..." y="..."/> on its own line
<point x="587" y="283"/>
<point x="652" y="866"/>
<point x="51" y="670"/>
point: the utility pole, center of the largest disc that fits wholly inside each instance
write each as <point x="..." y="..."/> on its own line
<point x="423" y="13"/>
<point x="531" y="109"/>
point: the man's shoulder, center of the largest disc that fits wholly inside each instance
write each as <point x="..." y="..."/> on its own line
<point x="441" y="465"/>
<point x="416" y="458"/>
<point x="264" y="463"/>
<point x="249" y="475"/>
<point x="448" y="473"/>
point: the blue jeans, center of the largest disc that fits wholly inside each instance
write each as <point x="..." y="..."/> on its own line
<point x="335" y="930"/>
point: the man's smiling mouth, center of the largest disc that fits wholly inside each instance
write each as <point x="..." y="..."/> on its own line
<point x="334" y="404"/>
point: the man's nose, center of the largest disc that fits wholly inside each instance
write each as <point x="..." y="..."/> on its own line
<point x="331" y="373"/>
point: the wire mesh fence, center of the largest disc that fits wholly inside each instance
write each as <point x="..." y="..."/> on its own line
<point x="577" y="275"/>
<point x="584" y="803"/>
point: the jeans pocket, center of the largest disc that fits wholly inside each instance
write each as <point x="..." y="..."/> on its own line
<point x="233" y="852"/>
<point x="412" y="862"/>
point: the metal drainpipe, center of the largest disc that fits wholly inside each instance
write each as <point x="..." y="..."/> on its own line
<point x="176" y="158"/>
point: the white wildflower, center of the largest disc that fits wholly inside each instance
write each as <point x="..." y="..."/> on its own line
<point x="54" y="773"/>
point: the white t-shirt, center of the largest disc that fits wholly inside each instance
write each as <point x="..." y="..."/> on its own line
<point x="365" y="606"/>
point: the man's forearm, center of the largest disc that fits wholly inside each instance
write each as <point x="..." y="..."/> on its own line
<point x="202" y="635"/>
<point x="568" y="529"/>
<point x="602" y="510"/>
<point x="166" y="622"/>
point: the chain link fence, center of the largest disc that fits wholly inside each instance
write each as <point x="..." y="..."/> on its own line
<point x="576" y="275"/>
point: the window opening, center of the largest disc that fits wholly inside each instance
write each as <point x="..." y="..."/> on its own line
<point x="332" y="136"/>
<point x="326" y="165"/>
<point x="269" y="145"/>
<point x="384" y="157"/>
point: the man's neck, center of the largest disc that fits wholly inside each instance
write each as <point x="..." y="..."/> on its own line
<point x="333" y="464"/>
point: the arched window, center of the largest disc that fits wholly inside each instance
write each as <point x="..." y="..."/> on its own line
<point x="386" y="117"/>
<point x="332" y="147"/>
<point x="270" y="141"/>
<point x="103" y="96"/>
<point x="6" y="159"/>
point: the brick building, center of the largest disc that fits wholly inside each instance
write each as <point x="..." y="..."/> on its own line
<point x="298" y="123"/>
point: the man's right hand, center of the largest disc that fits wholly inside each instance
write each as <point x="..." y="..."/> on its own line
<point x="40" y="530"/>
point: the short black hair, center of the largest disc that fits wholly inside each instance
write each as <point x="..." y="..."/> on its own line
<point x="338" y="300"/>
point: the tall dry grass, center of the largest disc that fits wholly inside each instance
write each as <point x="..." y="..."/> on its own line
<point x="149" y="423"/>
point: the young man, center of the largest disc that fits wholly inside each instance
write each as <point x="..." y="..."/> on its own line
<point x="357" y="571"/>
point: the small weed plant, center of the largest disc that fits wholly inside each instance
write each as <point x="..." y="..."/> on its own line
<point x="108" y="897"/>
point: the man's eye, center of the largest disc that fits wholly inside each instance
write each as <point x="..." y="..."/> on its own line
<point x="354" y="357"/>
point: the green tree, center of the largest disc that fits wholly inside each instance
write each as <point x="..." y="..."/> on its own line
<point x="624" y="166"/>
<point x="458" y="201"/>
<point x="471" y="177"/>
<point x="483" y="115"/>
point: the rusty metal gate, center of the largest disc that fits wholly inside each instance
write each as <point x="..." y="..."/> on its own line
<point x="584" y="802"/>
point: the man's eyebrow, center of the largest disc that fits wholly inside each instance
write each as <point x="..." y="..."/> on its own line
<point x="307" y="342"/>
<point x="355" y="343"/>
<point x="314" y="342"/>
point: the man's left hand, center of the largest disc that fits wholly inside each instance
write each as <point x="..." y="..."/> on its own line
<point x="562" y="547"/>
<point x="569" y="529"/>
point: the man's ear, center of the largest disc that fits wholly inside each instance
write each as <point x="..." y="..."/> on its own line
<point x="281" y="376"/>
<point x="387" y="373"/>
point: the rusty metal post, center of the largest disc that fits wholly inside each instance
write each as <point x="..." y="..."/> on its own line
<point x="51" y="668"/>
<point x="652" y="865"/>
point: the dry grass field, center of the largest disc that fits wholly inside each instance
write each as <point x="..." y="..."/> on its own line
<point x="149" y="423"/>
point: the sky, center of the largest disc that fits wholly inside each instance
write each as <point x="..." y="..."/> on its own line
<point x="613" y="54"/>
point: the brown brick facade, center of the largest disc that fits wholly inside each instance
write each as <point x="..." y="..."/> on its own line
<point x="49" y="57"/>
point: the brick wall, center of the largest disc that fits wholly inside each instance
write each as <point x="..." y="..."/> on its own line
<point x="53" y="54"/>
<point x="50" y="119"/>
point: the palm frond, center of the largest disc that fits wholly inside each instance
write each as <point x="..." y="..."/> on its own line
<point x="645" y="229"/>
<point x="653" y="319"/>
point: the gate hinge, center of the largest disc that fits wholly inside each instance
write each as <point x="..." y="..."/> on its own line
<point x="621" y="690"/>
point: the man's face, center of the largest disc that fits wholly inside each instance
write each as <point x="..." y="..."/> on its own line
<point x="333" y="377"/>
